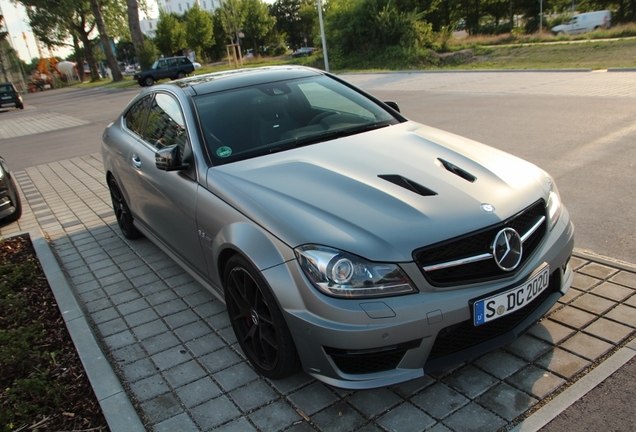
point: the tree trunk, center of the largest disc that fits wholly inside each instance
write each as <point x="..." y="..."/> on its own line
<point x="88" y="52"/>
<point x="105" y="40"/>
<point x="135" y="28"/>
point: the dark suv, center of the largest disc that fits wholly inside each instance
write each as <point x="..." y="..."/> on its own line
<point x="9" y="96"/>
<point x="171" y="67"/>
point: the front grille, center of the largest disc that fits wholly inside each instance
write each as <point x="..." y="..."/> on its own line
<point x="369" y="361"/>
<point x="465" y="334"/>
<point x="478" y="243"/>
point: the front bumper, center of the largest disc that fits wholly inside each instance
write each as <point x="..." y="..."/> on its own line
<point x="368" y="343"/>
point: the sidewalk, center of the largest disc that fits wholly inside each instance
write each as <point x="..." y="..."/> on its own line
<point x="173" y="350"/>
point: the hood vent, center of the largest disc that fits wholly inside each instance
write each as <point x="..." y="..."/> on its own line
<point x="458" y="171"/>
<point x="407" y="184"/>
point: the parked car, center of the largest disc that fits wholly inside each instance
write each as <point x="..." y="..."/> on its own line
<point x="10" y="96"/>
<point x="304" y="52"/>
<point x="342" y="237"/>
<point x="10" y="205"/>
<point x="585" y="22"/>
<point x="171" y="67"/>
<point x="129" y="70"/>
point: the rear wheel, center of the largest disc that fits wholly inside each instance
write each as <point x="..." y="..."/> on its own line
<point x="148" y="81"/>
<point x="258" y="322"/>
<point x="122" y="212"/>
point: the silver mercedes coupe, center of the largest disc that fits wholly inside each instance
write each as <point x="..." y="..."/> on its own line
<point x="343" y="238"/>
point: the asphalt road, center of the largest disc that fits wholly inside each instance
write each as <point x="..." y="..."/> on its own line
<point x="578" y="126"/>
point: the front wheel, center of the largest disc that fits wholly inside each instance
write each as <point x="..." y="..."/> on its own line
<point x="122" y="212"/>
<point x="258" y="322"/>
<point x="181" y="74"/>
<point x="149" y="81"/>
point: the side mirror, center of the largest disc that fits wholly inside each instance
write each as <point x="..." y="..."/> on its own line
<point x="393" y="105"/>
<point x="170" y="159"/>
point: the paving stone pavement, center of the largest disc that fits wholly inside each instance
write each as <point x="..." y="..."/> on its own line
<point x="173" y="348"/>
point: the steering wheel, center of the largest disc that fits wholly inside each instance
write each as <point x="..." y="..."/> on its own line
<point x="318" y="118"/>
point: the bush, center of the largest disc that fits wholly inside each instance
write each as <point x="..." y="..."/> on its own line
<point x="148" y="55"/>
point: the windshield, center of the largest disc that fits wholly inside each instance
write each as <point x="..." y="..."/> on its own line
<point x="249" y="122"/>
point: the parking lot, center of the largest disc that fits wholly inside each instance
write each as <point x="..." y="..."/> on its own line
<point x="173" y="351"/>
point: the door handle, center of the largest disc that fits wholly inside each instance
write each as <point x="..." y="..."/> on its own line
<point x="136" y="161"/>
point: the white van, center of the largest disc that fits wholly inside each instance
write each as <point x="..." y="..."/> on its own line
<point x="585" y="22"/>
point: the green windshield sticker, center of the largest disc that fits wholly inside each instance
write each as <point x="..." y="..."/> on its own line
<point x="223" y="151"/>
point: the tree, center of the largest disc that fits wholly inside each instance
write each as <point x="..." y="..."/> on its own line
<point x="297" y="20"/>
<point x="105" y="40"/>
<point x="231" y="17"/>
<point x="257" y="23"/>
<point x="135" y="29"/>
<point x="170" y="33"/>
<point x="54" y="22"/>
<point x="199" y="35"/>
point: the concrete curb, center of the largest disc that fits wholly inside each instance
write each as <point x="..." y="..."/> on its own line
<point x="612" y="262"/>
<point x="116" y="406"/>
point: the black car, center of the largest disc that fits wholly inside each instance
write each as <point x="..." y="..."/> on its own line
<point x="10" y="206"/>
<point x="9" y="96"/>
<point x="172" y="67"/>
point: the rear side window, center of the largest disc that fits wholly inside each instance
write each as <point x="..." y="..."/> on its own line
<point x="136" y="116"/>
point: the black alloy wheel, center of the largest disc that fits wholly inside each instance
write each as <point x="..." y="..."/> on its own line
<point x="149" y="81"/>
<point x="122" y="212"/>
<point x="258" y="322"/>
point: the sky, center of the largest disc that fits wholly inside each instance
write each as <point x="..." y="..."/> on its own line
<point x="17" y="23"/>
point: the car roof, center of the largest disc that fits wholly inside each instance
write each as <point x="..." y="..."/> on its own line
<point x="227" y="80"/>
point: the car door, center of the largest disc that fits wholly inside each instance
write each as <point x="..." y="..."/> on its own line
<point x="165" y="200"/>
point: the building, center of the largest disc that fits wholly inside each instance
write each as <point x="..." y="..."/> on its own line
<point x="149" y="26"/>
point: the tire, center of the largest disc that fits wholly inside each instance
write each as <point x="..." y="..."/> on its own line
<point x="21" y="106"/>
<point x="17" y="204"/>
<point x="122" y="212"/>
<point x="149" y="81"/>
<point x="181" y="74"/>
<point x="141" y="83"/>
<point x="258" y="322"/>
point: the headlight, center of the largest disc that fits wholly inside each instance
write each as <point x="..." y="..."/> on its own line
<point x="554" y="203"/>
<point x="340" y="274"/>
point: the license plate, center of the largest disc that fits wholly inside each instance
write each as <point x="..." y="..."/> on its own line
<point x="509" y="301"/>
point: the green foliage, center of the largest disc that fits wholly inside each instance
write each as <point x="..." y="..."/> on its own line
<point x="257" y="23"/>
<point x="148" y="55"/>
<point x="170" y="34"/>
<point x="198" y="29"/>
<point x="369" y="27"/>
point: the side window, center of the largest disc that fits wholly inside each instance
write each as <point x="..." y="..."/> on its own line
<point x="136" y="116"/>
<point x="166" y="126"/>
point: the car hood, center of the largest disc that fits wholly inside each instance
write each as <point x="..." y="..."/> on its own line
<point x="380" y="194"/>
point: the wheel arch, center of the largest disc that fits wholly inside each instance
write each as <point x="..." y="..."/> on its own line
<point x="257" y="246"/>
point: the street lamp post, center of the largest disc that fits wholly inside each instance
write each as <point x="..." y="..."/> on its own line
<point x="322" y="33"/>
